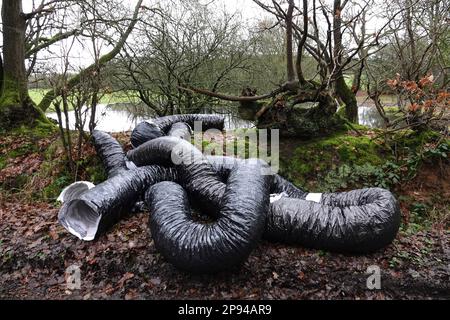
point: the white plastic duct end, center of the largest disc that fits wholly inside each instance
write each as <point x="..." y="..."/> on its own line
<point x="80" y="218"/>
<point x="75" y="190"/>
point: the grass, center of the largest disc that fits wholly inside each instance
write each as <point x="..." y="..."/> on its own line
<point x="37" y="94"/>
<point x="115" y="97"/>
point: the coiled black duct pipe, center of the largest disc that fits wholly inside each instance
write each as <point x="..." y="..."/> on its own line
<point x="110" y="152"/>
<point x="223" y="165"/>
<point x="209" y="121"/>
<point x="218" y="246"/>
<point x="159" y="127"/>
<point x="180" y="130"/>
<point x="194" y="170"/>
<point x="145" y="131"/>
<point x="358" y="221"/>
<point x="99" y="208"/>
<point x="363" y="226"/>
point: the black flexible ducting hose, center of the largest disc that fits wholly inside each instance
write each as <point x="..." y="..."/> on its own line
<point x="180" y="130"/>
<point x="194" y="170"/>
<point x="358" y="221"/>
<point x="99" y="208"/>
<point x="110" y="152"/>
<point x="375" y="224"/>
<point x="145" y="131"/>
<point x="218" y="246"/>
<point x="209" y="121"/>
<point x="148" y="130"/>
<point x="223" y="165"/>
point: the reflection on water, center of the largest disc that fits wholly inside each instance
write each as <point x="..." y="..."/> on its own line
<point x="124" y="117"/>
<point x="370" y="117"/>
<point x="107" y="119"/>
<point x="232" y="119"/>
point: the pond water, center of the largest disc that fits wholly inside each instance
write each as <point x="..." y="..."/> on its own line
<point x="124" y="117"/>
<point x="368" y="116"/>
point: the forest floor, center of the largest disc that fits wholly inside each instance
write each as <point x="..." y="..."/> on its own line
<point x="36" y="252"/>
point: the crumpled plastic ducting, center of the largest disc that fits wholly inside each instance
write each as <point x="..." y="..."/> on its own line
<point x="355" y="222"/>
<point x="217" y="246"/>
<point x="113" y="158"/>
<point x="180" y="130"/>
<point x="358" y="221"/>
<point x="74" y="190"/>
<point x="222" y="165"/>
<point x="209" y="121"/>
<point x="151" y="129"/>
<point x="97" y="209"/>
<point x="145" y="131"/>
<point x="194" y="170"/>
<point x="110" y="152"/>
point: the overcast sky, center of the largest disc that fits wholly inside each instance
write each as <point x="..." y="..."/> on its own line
<point x="248" y="7"/>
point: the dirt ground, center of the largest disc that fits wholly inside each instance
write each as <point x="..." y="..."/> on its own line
<point x="35" y="252"/>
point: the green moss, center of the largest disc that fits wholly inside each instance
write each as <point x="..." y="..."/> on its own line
<point x="341" y="111"/>
<point x="413" y="139"/>
<point x="95" y="172"/>
<point x="17" y="108"/>
<point x="52" y="191"/>
<point x="352" y="150"/>
<point x="37" y="131"/>
<point x="22" y="150"/>
<point x="10" y="94"/>
<point x="3" y="162"/>
<point x="349" y="99"/>
<point x="317" y="157"/>
<point x="391" y="110"/>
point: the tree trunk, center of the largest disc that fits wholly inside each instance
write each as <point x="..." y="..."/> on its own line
<point x="306" y="113"/>
<point x="289" y="44"/>
<point x="16" y="106"/>
<point x="341" y="88"/>
<point x="1" y="74"/>
<point x="348" y="97"/>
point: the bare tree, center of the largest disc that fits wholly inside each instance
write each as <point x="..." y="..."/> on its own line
<point x="183" y="43"/>
<point x="79" y="100"/>
<point x="15" y="104"/>
<point x="416" y="40"/>
<point x="338" y="48"/>
<point x="102" y="61"/>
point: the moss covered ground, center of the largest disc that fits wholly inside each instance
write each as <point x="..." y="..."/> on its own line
<point x="33" y="163"/>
